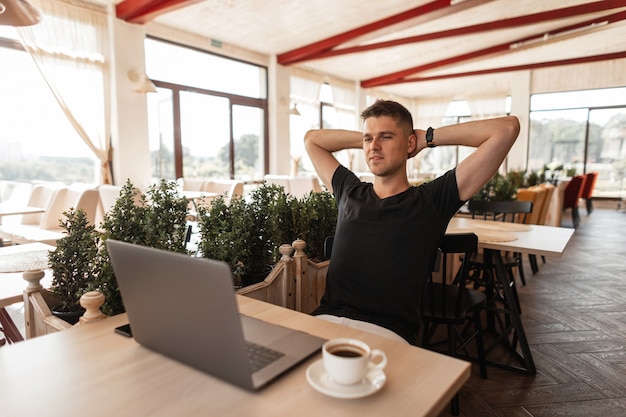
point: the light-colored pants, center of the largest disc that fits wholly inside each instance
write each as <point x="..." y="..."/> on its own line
<point x="363" y="325"/>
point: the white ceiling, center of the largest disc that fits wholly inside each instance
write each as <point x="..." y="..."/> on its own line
<point x="275" y="27"/>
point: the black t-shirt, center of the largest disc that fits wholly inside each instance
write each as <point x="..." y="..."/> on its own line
<point x="383" y="250"/>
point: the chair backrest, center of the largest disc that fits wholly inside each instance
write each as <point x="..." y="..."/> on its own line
<point x="589" y="185"/>
<point x="191" y="184"/>
<point x="573" y="191"/>
<point x="512" y="211"/>
<point x="40" y="196"/>
<point x="66" y="198"/>
<point x="280" y="180"/>
<point x="228" y="188"/>
<point x="547" y="202"/>
<point x="537" y="196"/>
<point x="302" y="186"/>
<point x="451" y="246"/>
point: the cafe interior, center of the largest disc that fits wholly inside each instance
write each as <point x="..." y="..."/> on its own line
<point x="217" y="95"/>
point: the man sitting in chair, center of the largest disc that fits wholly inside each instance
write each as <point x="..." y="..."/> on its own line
<point x="388" y="232"/>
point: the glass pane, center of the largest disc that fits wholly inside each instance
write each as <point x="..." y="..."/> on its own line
<point x="248" y="134"/>
<point x="205" y="135"/>
<point x="558" y="138"/>
<point x="161" y="134"/>
<point x="606" y="153"/>
<point x="37" y="142"/>
<point x="204" y="70"/>
<point x="573" y="99"/>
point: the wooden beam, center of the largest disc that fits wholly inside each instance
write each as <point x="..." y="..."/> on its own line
<point x="501" y="49"/>
<point x="309" y="51"/>
<point x="142" y="11"/>
<point x="572" y="61"/>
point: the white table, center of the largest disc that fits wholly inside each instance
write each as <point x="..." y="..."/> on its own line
<point x="91" y="371"/>
<point x="494" y="237"/>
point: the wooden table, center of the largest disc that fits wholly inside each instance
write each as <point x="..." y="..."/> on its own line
<point x="90" y="370"/>
<point x="13" y="210"/>
<point x="494" y="237"/>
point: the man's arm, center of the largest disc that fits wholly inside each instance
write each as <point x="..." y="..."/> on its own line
<point x="493" y="139"/>
<point x="320" y="145"/>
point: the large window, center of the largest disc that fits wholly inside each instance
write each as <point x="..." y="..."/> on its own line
<point x="580" y="132"/>
<point x="36" y="140"/>
<point x="209" y="115"/>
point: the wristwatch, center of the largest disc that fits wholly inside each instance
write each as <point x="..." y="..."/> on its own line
<point x="429" y="137"/>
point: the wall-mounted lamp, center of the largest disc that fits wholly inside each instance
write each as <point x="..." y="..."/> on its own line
<point x="294" y="111"/>
<point x="142" y="84"/>
<point x="18" y="13"/>
<point x="326" y="93"/>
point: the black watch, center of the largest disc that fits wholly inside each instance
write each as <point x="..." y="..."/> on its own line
<point x="429" y="137"/>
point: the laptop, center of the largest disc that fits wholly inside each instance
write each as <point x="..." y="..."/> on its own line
<point x="185" y="308"/>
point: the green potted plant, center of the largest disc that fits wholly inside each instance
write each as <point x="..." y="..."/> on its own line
<point x="81" y="261"/>
<point x="247" y="233"/>
<point x="156" y="219"/>
<point x="73" y="263"/>
<point x="498" y="188"/>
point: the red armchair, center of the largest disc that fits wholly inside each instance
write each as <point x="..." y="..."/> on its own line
<point x="573" y="192"/>
<point x="587" y="191"/>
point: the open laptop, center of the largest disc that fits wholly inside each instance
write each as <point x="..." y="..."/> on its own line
<point x="185" y="308"/>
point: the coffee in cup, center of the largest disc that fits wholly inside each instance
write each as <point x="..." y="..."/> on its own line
<point x="347" y="361"/>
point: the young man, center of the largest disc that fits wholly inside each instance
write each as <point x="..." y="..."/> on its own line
<point x="388" y="232"/>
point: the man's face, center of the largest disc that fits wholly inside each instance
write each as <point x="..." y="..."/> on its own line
<point x="385" y="145"/>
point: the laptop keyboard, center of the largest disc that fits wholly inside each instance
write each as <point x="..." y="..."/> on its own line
<point x="261" y="356"/>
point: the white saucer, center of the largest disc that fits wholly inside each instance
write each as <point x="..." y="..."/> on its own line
<point x="318" y="379"/>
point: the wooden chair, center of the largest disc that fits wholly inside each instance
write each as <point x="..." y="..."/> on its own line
<point x="455" y="306"/>
<point x="538" y="196"/>
<point x="587" y="190"/>
<point x="511" y="211"/>
<point x="572" y="195"/>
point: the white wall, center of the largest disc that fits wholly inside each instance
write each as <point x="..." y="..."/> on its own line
<point x="129" y="110"/>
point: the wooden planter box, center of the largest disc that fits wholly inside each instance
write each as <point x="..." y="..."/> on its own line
<point x="38" y="317"/>
<point x="295" y="282"/>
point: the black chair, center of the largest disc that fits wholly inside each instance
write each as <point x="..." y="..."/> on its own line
<point x="514" y="211"/>
<point x="455" y="306"/>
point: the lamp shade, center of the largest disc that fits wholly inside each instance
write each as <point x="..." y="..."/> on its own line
<point x="18" y="13"/>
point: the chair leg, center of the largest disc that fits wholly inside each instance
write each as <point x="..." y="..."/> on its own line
<point x="520" y="267"/>
<point x="589" y="203"/>
<point x="533" y="263"/>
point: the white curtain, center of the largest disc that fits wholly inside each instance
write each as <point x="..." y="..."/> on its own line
<point x="70" y="49"/>
<point x="487" y="107"/>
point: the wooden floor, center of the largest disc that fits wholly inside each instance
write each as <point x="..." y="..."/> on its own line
<point x="574" y="315"/>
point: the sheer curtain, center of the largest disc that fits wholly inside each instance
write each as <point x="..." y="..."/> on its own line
<point x="69" y="47"/>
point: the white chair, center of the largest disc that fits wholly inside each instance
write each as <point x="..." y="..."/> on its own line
<point x="280" y="180"/>
<point x="48" y="230"/>
<point x="302" y="186"/>
<point x="228" y="188"/>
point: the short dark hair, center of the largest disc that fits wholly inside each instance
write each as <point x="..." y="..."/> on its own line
<point x="392" y="109"/>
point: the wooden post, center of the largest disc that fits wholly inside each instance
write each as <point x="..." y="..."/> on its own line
<point x="300" y="270"/>
<point x="33" y="277"/>
<point x="91" y="301"/>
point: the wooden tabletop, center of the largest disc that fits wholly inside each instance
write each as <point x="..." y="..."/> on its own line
<point x="12" y="209"/>
<point x="538" y="240"/>
<point x="90" y="370"/>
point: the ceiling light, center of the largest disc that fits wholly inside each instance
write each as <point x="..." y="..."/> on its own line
<point x="326" y="93"/>
<point x="18" y="13"/>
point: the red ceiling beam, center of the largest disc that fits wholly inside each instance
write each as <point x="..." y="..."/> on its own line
<point x="499" y="24"/>
<point x="498" y="49"/>
<point x="572" y="61"/>
<point x="309" y="51"/>
<point x="142" y="11"/>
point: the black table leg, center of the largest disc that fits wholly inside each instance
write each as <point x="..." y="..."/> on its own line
<point x="503" y="319"/>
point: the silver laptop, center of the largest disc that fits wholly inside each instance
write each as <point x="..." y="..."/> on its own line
<point x="185" y="308"/>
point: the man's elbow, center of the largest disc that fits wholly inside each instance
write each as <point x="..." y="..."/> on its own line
<point x="510" y="129"/>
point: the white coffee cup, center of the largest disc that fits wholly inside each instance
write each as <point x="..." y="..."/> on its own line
<point x="347" y="361"/>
